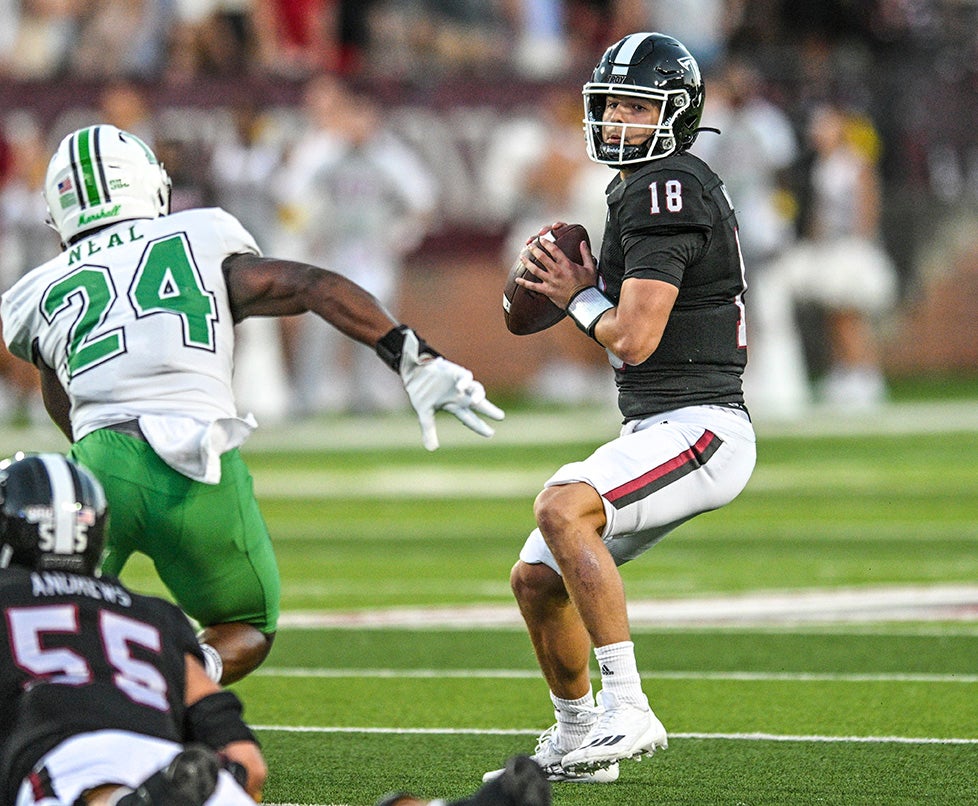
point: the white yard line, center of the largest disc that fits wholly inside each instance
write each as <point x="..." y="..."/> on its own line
<point x="848" y="605"/>
<point x="598" y="424"/>
<point x="735" y="737"/>
<point x="543" y="426"/>
<point x="528" y="674"/>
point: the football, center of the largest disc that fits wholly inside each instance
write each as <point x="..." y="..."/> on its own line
<point x="527" y="311"/>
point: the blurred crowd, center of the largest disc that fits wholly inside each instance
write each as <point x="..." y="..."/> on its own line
<point x="847" y="131"/>
<point x="425" y="40"/>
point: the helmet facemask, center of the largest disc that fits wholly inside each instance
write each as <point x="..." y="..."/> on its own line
<point x="661" y="140"/>
<point x="101" y="175"/>
<point x="652" y="67"/>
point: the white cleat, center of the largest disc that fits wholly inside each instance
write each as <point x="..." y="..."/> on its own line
<point x="548" y="756"/>
<point x="622" y="731"/>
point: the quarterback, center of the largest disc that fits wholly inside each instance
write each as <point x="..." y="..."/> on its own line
<point x="132" y="329"/>
<point x="665" y="300"/>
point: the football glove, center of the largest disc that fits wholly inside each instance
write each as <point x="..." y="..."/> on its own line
<point x="434" y="383"/>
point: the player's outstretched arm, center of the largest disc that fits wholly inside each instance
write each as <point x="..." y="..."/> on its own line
<point x="265" y="286"/>
<point x="261" y="286"/>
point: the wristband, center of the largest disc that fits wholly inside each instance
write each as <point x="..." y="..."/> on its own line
<point x="586" y="308"/>
<point x="390" y="347"/>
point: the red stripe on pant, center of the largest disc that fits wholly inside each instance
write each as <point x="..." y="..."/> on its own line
<point x="665" y="474"/>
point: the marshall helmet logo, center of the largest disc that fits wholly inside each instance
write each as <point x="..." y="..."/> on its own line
<point x="109" y="212"/>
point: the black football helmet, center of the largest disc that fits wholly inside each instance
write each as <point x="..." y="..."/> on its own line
<point x="52" y="514"/>
<point x="654" y="67"/>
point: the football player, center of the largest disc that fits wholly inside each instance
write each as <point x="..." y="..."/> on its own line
<point x="665" y="300"/>
<point x="132" y="329"/>
<point x="103" y="694"/>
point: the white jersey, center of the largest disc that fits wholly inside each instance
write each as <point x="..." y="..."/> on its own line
<point x="137" y="324"/>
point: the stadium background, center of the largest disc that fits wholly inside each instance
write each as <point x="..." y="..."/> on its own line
<point x="451" y="74"/>
<point x="812" y="643"/>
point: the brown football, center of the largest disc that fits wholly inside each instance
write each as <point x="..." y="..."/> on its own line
<point x="527" y="311"/>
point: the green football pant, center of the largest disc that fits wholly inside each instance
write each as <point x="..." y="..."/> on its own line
<point x="208" y="542"/>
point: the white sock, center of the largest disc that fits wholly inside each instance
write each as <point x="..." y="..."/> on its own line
<point x="574" y="719"/>
<point x="619" y="672"/>
<point x="213" y="664"/>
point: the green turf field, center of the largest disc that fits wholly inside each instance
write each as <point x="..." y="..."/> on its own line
<point x="830" y="706"/>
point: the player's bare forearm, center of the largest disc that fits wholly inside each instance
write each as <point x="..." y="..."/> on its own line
<point x="56" y="400"/>
<point x="249" y="757"/>
<point x="272" y="287"/>
<point x="633" y="329"/>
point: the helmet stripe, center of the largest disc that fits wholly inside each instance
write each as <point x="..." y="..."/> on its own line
<point x="84" y="144"/>
<point x="74" y="170"/>
<point x="89" y="160"/>
<point x="623" y="58"/>
<point x="101" y="165"/>
<point x="64" y="501"/>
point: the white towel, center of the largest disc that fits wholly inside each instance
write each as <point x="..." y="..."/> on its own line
<point x="192" y="447"/>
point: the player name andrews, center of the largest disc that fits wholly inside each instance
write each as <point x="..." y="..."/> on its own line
<point x="56" y="583"/>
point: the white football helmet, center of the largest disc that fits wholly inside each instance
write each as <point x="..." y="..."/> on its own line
<point x="101" y="175"/>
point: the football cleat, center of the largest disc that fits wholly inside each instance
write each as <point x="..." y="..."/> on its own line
<point x="623" y="730"/>
<point x="188" y="780"/>
<point x="548" y="756"/>
<point x="521" y="783"/>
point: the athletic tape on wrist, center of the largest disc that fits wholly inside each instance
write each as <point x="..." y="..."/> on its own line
<point x="391" y="347"/>
<point x="213" y="663"/>
<point x="586" y="308"/>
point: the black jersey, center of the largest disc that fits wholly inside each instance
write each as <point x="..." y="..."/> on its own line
<point x="79" y="654"/>
<point x="671" y="220"/>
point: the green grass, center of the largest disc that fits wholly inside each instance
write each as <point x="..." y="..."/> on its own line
<point x="811" y="692"/>
<point x="936" y="386"/>
<point x="691" y="771"/>
<point x="814" y="714"/>
<point x="829" y="511"/>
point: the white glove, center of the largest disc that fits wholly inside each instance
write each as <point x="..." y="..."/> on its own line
<point x="435" y="384"/>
